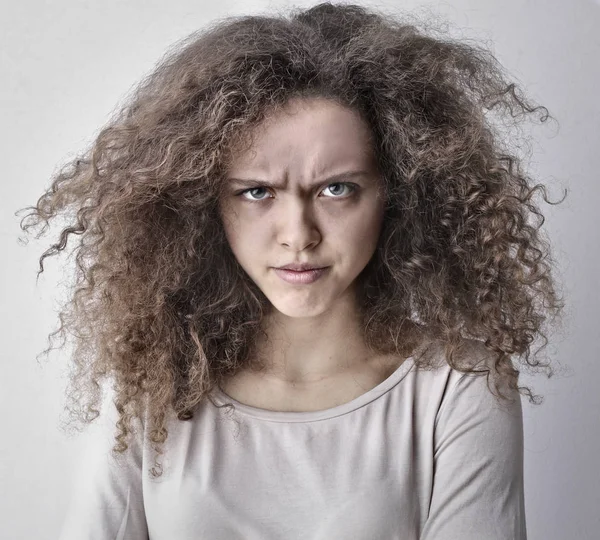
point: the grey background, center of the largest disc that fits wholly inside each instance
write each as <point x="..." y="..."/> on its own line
<point x="65" y="65"/>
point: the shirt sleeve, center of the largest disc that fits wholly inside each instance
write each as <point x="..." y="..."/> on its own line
<point x="106" y="501"/>
<point x="478" y="466"/>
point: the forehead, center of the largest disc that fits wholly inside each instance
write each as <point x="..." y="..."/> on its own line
<point x="307" y="138"/>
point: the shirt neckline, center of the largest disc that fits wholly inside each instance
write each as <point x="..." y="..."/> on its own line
<point x="324" y="414"/>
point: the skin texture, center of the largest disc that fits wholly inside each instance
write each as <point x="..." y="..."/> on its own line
<point x="314" y="329"/>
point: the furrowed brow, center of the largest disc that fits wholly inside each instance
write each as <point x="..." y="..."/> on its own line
<point x="251" y="182"/>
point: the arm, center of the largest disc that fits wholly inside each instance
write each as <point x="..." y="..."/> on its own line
<point x="478" y="466"/>
<point x="107" y="500"/>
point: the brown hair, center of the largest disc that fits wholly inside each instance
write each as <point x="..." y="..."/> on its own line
<point x="160" y="305"/>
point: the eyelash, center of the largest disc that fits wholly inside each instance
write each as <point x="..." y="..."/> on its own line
<point x="352" y="187"/>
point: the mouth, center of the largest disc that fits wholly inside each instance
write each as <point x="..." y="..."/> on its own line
<point x="308" y="269"/>
<point x="299" y="267"/>
<point x="301" y="276"/>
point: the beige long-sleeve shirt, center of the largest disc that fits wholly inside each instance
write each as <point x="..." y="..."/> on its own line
<point x="426" y="454"/>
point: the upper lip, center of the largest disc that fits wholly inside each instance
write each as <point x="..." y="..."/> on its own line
<point x="299" y="267"/>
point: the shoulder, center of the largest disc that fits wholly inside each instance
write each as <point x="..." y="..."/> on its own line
<point x="452" y="391"/>
<point x="477" y="448"/>
<point x="478" y="402"/>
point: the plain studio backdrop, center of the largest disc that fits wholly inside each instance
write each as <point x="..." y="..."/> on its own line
<point x="65" y="65"/>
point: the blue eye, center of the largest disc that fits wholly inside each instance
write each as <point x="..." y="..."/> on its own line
<point x="242" y="193"/>
<point x="351" y="187"/>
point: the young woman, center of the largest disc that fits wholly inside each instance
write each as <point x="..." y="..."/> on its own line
<point x="306" y="267"/>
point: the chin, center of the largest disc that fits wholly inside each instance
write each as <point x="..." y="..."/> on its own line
<point x="298" y="312"/>
<point x="298" y="309"/>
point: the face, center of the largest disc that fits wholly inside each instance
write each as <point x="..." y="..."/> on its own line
<point x="294" y="211"/>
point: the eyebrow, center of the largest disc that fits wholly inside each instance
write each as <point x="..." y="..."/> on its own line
<point x="335" y="178"/>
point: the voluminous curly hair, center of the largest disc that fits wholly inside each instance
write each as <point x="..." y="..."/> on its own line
<point x="160" y="305"/>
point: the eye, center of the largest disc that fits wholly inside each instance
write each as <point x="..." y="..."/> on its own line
<point x="250" y="190"/>
<point x="351" y="188"/>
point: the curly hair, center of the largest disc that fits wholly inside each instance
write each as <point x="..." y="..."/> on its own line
<point x="160" y="305"/>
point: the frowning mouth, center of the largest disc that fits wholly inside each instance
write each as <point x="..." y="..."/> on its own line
<point x="301" y="277"/>
<point x="300" y="267"/>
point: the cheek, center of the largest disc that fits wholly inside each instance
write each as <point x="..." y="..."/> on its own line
<point x="356" y="245"/>
<point x="232" y="225"/>
<point x="246" y="241"/>
<point x="364" y="233"/>
<point x="232" y="230"/>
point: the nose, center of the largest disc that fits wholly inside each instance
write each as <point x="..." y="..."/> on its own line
<point x="297" y="227"/>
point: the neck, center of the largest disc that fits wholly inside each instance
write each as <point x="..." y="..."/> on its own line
<point x="305" y="350"/>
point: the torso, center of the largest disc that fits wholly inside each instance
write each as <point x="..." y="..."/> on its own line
<point x="260" y="391"/>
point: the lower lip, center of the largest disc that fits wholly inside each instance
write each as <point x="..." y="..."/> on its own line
<point x="307" y="276"/>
